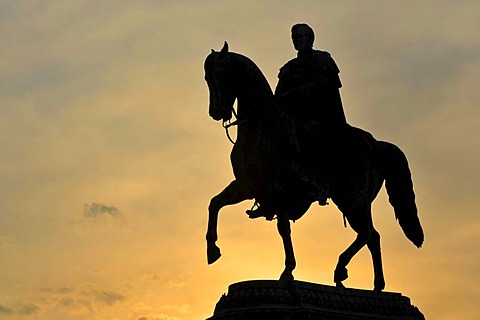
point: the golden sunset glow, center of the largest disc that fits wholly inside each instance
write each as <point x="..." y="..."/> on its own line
<point x="109" y="158"/>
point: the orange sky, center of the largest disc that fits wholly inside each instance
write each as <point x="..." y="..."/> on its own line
<point x="109" y="158"/>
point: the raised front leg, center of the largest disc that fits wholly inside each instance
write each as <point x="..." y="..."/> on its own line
<point x="232" y="194"/>
<point x="283" y="226"/>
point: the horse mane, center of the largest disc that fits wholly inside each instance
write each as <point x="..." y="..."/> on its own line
<point x="253" y="72"/>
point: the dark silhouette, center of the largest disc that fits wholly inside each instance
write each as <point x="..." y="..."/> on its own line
<point x="268" y="299"/>
<point x="308" y="92"/>
<point x="286" y="167"/>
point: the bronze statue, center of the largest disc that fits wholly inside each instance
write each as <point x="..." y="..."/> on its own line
<point x="309" y="83"/>
<point x="269" y="164"/>
<point x="308" y="92"/>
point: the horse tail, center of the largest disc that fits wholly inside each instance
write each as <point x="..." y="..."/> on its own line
<point x="401" y="196"/>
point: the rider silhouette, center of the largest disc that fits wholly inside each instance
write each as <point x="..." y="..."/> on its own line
<point x="308" y="93"/>
<point x="309" y="85"/>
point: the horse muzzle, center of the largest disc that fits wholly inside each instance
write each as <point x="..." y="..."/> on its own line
<point x="215" y="114"/>
<point x="220" y="114"/>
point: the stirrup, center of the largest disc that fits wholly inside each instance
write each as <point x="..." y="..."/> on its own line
<point x="258" y="211"/>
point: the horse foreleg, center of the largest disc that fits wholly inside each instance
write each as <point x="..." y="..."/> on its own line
<point x="360" y="221"/>
<point x="374" y="247"/>
<point x="283" y="226"/>
<point x="232" y="194"/>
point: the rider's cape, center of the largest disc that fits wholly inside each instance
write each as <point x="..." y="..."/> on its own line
<point x="308" y="89"/>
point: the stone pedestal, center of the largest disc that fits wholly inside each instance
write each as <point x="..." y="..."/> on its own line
<point x="272" y="300"/>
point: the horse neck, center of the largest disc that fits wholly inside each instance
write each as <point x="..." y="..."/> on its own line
<point x="252" y="107"/>
<point x="254" y="95"/>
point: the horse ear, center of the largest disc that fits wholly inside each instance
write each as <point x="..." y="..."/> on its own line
<point x="213" y="51"/>
<point x="224" y="50"/>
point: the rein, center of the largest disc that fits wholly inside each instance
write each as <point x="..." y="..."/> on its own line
<point x="228" y="123"/>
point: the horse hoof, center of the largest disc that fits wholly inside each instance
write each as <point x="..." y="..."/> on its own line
<point x="340" y="274"/>
<point x="213" y="254"/>
<point x="286" y="277"/>
<point x="378" y="287"/>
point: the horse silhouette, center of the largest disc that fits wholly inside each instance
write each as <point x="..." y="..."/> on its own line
<point x="362" y="165"/>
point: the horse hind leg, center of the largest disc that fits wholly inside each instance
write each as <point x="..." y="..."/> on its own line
<point x="232" y="194"/>
<point x="373" y="245"/>
<point x="283" y="226"/>
<point x="361" y="222"/>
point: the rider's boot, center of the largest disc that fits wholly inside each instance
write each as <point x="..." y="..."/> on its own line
<point x="261" y="211"/>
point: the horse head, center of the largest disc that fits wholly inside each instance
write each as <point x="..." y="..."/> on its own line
<point x="221" y="84"/>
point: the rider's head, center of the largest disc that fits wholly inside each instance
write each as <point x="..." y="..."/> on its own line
<point x="302" y="37"/>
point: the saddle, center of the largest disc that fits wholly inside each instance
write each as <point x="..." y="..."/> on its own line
<point x="293" y="179"/>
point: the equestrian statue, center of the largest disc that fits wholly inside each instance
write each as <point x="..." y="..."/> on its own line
<point x="295" y="147"/>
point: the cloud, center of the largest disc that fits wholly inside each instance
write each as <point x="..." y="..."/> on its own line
<point x="95" y="210"/>
<point x="108" y="297"/>
<point x="67" y="302"/>
<point x="65" y="290"/>
<point x="24" y="310"/>
<point x="6" y="310"/>
<point x="75" y="306"/>
<point x="160" y="316"/>
<point x="89" y="300"/>
<point x="183" y="309"/>
<point x="28" y="309"/>
<point x="64" y="302"/>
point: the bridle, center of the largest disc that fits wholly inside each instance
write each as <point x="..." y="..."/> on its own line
<point x="229" y="123"/>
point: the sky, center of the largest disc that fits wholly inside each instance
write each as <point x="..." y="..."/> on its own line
<point x="109" y="158"/>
